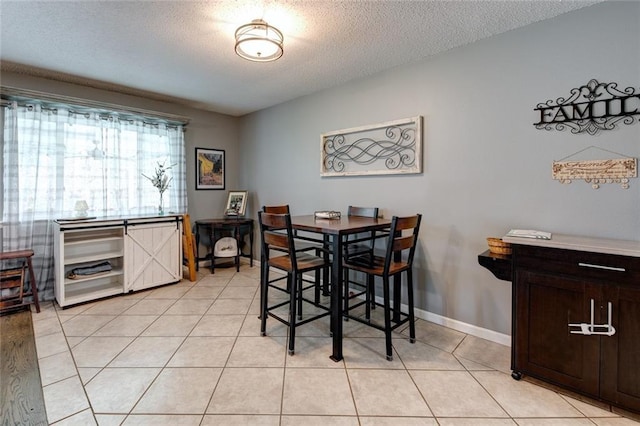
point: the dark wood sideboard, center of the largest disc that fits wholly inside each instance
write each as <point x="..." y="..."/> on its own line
<point x="575" y="314"/>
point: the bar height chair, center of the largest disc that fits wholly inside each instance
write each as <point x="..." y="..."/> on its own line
<point x="398" y="258"/>
<point x="277" y="235"/>
<point x="303" y="245"/>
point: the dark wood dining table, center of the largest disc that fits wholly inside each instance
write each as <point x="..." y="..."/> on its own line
<point x="337" y="230"/>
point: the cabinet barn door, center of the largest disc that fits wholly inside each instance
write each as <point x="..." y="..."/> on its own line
<point x="620" y="381"/>
<point x="545" y="348"/>
<point x="153" y="255"/>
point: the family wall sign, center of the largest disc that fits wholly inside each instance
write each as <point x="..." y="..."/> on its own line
<point x="590" y="108"/>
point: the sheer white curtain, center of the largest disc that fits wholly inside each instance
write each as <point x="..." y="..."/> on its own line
<point x="56" y="155"/>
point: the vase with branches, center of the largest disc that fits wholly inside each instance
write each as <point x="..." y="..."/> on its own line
<point x="161" y="182"/>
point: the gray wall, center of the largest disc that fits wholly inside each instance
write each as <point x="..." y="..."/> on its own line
<point x="205" y="130"/>
<point x="486" y="167"/>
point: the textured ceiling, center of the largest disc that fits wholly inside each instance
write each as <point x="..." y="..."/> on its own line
<point x="184" y="50"/>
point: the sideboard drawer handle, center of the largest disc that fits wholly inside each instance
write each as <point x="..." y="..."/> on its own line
<point x="608" y="268"/>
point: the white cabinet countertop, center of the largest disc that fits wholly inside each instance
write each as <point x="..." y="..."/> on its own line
<point x="572" y="242"/>
<point x="86" y="222"/>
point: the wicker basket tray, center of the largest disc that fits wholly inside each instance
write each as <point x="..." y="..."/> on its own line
<point x="497" y="246"/>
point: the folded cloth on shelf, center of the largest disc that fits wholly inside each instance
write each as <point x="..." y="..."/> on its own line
<point x="88" y="270"/>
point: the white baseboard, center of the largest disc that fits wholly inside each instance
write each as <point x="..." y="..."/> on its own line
<point x="474" y="330"/>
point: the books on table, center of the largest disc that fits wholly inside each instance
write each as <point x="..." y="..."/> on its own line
<point x="529" y="233"/>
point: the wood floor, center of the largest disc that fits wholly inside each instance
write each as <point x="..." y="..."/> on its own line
<point x="21" y="399"/>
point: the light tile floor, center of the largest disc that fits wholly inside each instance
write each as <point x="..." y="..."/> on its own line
<point x="192" y="354"/>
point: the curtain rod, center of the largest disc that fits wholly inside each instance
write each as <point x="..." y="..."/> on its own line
<point x="8" y="93"/>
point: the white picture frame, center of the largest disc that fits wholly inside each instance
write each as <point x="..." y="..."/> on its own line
<point x="236" y="202"/>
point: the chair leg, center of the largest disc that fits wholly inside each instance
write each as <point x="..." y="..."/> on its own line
<point x="292" y="307"/>
<point x="263" y="277"/>
<point x="325" y="270"/>
<point x="261" y="289"/>
<point x="368" y="301"/>
<point x="316" y="286"/>
<point x="264" y="298"/>
<point x="369" y="294"/>
<point x="372" y="289"/>
<point x="34" y="285"/>
<point x="412" y="320"/>
<point x="345" y="294"/>
<point x="397" y="296"/>
<point x="298" y="284"/>
<point x="387" y="318"/>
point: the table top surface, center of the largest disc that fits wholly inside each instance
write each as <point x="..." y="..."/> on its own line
<point x="224" y="221"/>
<point x="579" y="243"/>
<point x="94" y="219"/>
<point x="343" y="225"/>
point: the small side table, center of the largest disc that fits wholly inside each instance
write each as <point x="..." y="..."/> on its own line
<point x="213" y="227"/>
<point x="12" y="280"/>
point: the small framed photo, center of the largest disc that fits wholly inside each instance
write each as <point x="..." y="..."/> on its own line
<point x="236" y="203"/>
<point x="209" y="168"/>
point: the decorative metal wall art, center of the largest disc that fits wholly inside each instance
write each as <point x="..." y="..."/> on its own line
<point x="596" y="172"/>
<point x="394" y="147"/>
<point x="590" y="108"/>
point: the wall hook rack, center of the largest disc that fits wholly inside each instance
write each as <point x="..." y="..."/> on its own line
<point x="596" y="172"/>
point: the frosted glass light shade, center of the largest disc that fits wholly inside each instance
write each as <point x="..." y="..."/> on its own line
<point x="259" y="42"/>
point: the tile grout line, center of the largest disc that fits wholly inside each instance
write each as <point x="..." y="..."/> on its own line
<point x="285" y="368"/>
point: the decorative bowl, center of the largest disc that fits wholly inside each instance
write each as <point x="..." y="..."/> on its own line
<point x="497" y="246"/>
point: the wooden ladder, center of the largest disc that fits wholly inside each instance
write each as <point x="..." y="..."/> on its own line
<point x="12" y="280"/>
<point x="189" y="247"/>
<point x="12" y="287"/>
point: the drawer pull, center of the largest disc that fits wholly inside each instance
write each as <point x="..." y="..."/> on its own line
<point x="608" y="268"/>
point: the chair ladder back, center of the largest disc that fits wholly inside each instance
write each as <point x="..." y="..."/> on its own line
<point x="409" y="222"/>
<point x="284" y="209"/>
<point x="279" y="241"/>
<point x="403" y="243"/>
<point x="362" y="211"/>
<point x="415" y="220"/>
<point x="365" y="212"/>
<point x="268" y="224"/>
<point x="273" y="221"/>
<point x="276" y="240"/>
<point x="399" y="242"/>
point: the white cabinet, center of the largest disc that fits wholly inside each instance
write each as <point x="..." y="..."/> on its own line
<point x="138" y="253"/>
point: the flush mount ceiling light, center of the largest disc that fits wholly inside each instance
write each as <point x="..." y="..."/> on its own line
<point x="259" y="42"/>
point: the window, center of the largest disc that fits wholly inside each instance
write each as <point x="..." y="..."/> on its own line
<point x="55" y="157"/>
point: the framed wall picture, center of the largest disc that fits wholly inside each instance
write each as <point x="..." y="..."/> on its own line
<point x="236" y="203"/>
<point x="209" y="168"/>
